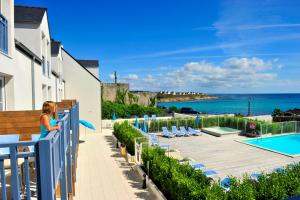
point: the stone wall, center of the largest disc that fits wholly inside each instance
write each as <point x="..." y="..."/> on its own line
<point x="109" y="93"/>
<point x="109" y="90"/>
<point x="144" y="97"/>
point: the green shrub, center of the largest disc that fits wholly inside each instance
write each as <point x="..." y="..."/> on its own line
<point x="127" y="111"/>
<point x="181" y="181"/>
<point x="175" y="180"/>
<point x="240" y="190"/>
<point x="126" y="134"/>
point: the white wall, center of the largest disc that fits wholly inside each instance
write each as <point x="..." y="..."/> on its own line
<point x="94" y="71"/>
<point x="22" y="82"/>
<point x="56" y="63"/>
<point x="85" y="88"/>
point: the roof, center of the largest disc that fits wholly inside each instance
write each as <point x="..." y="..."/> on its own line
<point x="27" y="14"/>
<point x="55" y="46"/>
<point x="89" y="63"/>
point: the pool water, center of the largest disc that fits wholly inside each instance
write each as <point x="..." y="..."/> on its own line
<point x="285" y="144"/>
<point x="219" y="131"/>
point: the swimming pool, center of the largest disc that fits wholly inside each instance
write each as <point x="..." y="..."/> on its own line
<point x="219" y="131"/>
<point x="288" y="144"/>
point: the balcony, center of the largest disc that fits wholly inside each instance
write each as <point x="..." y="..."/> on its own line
<point x="43" y="168"/>
<point x="3" y="35"/>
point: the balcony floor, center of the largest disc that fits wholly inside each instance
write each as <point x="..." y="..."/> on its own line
<point x="102" y="173"/>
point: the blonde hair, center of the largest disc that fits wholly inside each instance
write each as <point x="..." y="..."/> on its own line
<point x="48" y="108"/>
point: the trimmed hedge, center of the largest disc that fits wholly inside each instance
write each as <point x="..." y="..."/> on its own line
<point x="225" y="121"/>
<point x="126" y="134"/>
<point x="175" y="180"/>
<point x="127" y="111"/>
<point x="181" y="181"/>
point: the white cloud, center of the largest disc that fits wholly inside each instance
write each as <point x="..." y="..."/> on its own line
<point x="129" y="77"/>
<point x="112" y="76"/>
<point x="132" y="77"/>
<point x="250" y="27"/>
<point x="202" y="76"/>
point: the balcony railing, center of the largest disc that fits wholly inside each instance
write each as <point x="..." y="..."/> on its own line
<point x="3" y="35"/>
<point x="54" y="158"/>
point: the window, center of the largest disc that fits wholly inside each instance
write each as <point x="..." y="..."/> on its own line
<point x="49" y="93"/>
<point x="44" y="65"/>
<point x="3" y="35"/>
<point x="44" y="91"/>
<point x="2" y="95"/>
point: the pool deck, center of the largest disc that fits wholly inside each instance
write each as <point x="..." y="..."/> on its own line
<point x="102" y="173"/>
<point x="227" y="156"/>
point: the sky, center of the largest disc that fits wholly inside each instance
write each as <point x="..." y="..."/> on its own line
<point x="228" y="46"/>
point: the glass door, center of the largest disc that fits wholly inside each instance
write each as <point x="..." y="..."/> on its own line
<point x="2" y="97"/>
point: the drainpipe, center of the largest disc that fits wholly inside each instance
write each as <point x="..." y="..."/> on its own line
<point x="33" y="83"/>
<point x="56" y="89"/>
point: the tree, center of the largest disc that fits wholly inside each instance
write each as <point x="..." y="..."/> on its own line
<point x="152" y="101"/>
<point x="277" y="112"/>
<point x="133" y="99"/>
<point x="121" y="96"/>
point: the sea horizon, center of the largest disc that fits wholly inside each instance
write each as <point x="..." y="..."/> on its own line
<point x="234" y="103"/>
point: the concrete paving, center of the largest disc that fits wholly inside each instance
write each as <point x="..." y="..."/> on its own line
<point x="103" y="174"/>
<point x="227" y="156"/>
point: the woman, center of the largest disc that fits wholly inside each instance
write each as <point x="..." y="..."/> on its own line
<point x="47" y="121"/>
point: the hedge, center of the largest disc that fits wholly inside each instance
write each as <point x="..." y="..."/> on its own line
<point x="126" y="134"/>
<point x="127" y="111"/>
<point x="225" y="121"/>
<point x="181" y="181"/>
<point x="175" y="180"/>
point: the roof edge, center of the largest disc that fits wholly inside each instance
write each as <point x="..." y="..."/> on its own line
<point x="81" y="65"/>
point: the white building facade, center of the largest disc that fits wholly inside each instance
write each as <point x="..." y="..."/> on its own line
<point x="34" y="68"/>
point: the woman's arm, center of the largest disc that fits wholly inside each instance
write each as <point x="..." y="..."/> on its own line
<point x="46" y="122"/>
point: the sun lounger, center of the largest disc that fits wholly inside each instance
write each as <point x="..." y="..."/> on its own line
<point x="176" y="132"/>
<point x="255" y="176"/>
<point x="164" y="146"/>
<point x="198" y="166"/>
<point x="153" y="139"/>
<point x="210" y="173"/>
<point x="166" y="133"/>
<point x="184" y="131"/>
<point x="146" y="118"/>
<point x="225" y="184"/>
<point x="291" y="166"/>
<point x="153" y="117"/>
<point x="279" y="170"/>
<point x="194" y="132"/>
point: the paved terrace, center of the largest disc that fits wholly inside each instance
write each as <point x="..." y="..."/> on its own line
<point x="102" y="173"/>
<point x="227" y="156"/>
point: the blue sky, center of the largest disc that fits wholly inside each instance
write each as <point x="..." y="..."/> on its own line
<point x="230" y="46"/>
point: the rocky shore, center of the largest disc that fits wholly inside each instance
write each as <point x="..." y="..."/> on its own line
<point x="179" y="98"/>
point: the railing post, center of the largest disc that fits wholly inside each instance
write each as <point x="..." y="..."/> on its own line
<point x="63" y="179"/>
<point x="14" y="173"/>
<point x="69" y="161"/>
<point x="74" y="136"/>
<point x="45" y="181"/>
<point x="3" y="179"/>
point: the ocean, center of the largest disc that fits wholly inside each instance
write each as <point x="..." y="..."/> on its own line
<point x="261" y="104"/>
